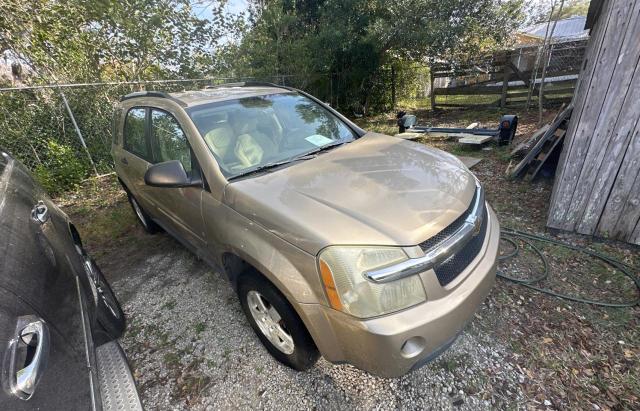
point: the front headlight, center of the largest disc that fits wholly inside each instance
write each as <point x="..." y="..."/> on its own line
<point x="348" y="290"/>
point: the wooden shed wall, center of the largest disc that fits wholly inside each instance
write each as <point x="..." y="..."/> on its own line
<point x="597" y="187"/>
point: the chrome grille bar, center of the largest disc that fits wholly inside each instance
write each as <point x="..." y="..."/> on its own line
<point x="433" y="257"/>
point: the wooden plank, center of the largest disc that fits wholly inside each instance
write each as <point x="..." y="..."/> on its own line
<point x="635" y="237"/>
<point x="531" y="141"/>
<point x="599" y="76"/>
<point x="550" y="91"/>
<point x="494" y="104"/>
<point x="551" y="100"/>
<point x="630" y="213"/>
<point x="438" y="135"/>
<point x="605" y="148"/>
<point x="616" y="163"/>
<point x="624" y="200"/>
<point x="560" y="118"/>
<point x="463" y="91"/>
<point x="555" y="144"/>
<point x="469" y="161"/>
<point x="505" y="84"/>
<point x="594" y="46"/>
<point x="409" y="135"/>
<point x="433" y="90"/>
<point x="474" y="139"/>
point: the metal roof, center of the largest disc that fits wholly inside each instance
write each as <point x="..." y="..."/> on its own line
<point x="569" y="28"/>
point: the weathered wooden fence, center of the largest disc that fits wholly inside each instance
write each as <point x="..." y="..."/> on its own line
<point x="510" y="77"/>
<point x="597" y="187"/>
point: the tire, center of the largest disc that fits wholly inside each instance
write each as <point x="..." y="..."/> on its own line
<point x="143" y="218"/>
<point x="299" y="353"/>
<point x="108" y="310"/>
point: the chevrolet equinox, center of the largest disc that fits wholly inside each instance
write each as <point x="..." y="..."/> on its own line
<point x="360" y="247"/>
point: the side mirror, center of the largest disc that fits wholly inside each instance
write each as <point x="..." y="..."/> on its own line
<point x="170" y="174"/>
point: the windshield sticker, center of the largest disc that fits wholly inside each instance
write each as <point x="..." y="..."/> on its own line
<point x="318" y="140"/>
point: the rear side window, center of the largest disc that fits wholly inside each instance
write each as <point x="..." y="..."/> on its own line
<point x="172" y="142"/>
<point x="134" y="137"/>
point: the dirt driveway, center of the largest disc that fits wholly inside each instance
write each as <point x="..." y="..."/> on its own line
<point x="191" y="347"/>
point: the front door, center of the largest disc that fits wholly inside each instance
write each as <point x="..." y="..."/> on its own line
<point x="178" y="208"/>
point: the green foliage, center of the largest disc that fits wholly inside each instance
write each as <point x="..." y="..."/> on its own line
<point x="355" y="43"/>
<point x="343" y="51"/>
<point x="572" y="8"/>
<point x="70" y="41"/>
<point x="62" y="171"/>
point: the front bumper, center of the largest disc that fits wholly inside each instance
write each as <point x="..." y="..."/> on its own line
<point x="392" y="345"/>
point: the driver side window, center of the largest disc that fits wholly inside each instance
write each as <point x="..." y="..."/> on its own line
<point x="171" y="140"/>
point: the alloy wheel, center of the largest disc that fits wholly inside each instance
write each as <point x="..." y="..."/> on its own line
<point x="270" y="322"/>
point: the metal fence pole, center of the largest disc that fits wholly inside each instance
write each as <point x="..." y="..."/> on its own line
<point x="75" y="125"/>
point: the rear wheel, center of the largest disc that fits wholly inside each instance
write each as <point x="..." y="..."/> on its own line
<point x="143" y="218"/>
<point x="276" y="323"/>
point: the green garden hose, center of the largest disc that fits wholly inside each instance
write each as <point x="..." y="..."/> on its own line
<point x="510" y="236"/>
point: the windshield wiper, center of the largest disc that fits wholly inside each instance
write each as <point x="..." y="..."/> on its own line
<point x="311" y="154"/>
<point x="306" y="156"/>
<point x="261" y="168"/>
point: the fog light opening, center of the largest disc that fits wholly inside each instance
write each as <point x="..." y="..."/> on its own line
<point x="412" y="347"/>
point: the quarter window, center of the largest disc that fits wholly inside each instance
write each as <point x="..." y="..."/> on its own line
<point x="134" y="138"/>
<point x="172" y="142"/>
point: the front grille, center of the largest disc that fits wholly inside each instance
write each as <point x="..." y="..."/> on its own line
<point x="437" y="239"/>
<point x="450" y="268"/>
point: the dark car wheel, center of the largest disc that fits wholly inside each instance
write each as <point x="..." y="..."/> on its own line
<point x="143" y="218"/>
<point x="276" y="323"/>
<point x="109" y="313"/>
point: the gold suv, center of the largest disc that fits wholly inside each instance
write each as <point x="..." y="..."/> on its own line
<point x="363" y="248"/>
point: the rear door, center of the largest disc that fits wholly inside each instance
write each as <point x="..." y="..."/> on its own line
<point x="134" y="155"/>
<point x="178" y="208"/>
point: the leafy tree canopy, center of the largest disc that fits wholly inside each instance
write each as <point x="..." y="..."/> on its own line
<point x="74" y="40"/>
<point x="356" y="39"/>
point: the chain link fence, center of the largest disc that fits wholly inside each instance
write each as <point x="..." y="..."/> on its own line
<point x="38" y="123"/>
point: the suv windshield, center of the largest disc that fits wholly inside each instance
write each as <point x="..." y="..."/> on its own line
<point x="254" y="132"/>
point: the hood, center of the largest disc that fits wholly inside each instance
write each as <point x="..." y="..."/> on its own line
<point x="377" y="190"/>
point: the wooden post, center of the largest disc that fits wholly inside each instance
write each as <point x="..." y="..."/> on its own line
<point x="433" y="90"/>
<point x="331" y="90"/>
<point x="393" y="87"/>
<point x="505" y="80"/>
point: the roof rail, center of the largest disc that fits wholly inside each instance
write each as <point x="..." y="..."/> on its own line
<point x="152" y="93"/>
<point x="246" y="84"/>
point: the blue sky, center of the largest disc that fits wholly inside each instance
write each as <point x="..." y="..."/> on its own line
<point x="232" y="6"/>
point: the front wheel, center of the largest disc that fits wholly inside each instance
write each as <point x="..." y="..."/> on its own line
<point x="276" y="323"/>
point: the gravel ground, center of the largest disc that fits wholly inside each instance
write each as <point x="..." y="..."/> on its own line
<point x="191" y="347"/>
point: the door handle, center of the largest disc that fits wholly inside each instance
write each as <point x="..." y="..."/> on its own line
<point x="29" y="355"/>
<point x="40" y="212"/>
<point x="123" y="160"/>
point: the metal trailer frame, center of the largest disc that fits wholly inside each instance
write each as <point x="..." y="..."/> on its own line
<point x="502" y="135"/>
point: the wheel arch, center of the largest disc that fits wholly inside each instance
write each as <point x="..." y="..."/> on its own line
<point x="235" y="267"/>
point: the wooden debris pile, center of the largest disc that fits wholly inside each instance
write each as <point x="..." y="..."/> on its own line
<point x="541" y="148"/>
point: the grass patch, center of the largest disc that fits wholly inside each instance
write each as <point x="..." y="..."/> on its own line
<point x="171" y="359"/>
<point x="200" y="327"/>
<point x="169" y="305"/>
